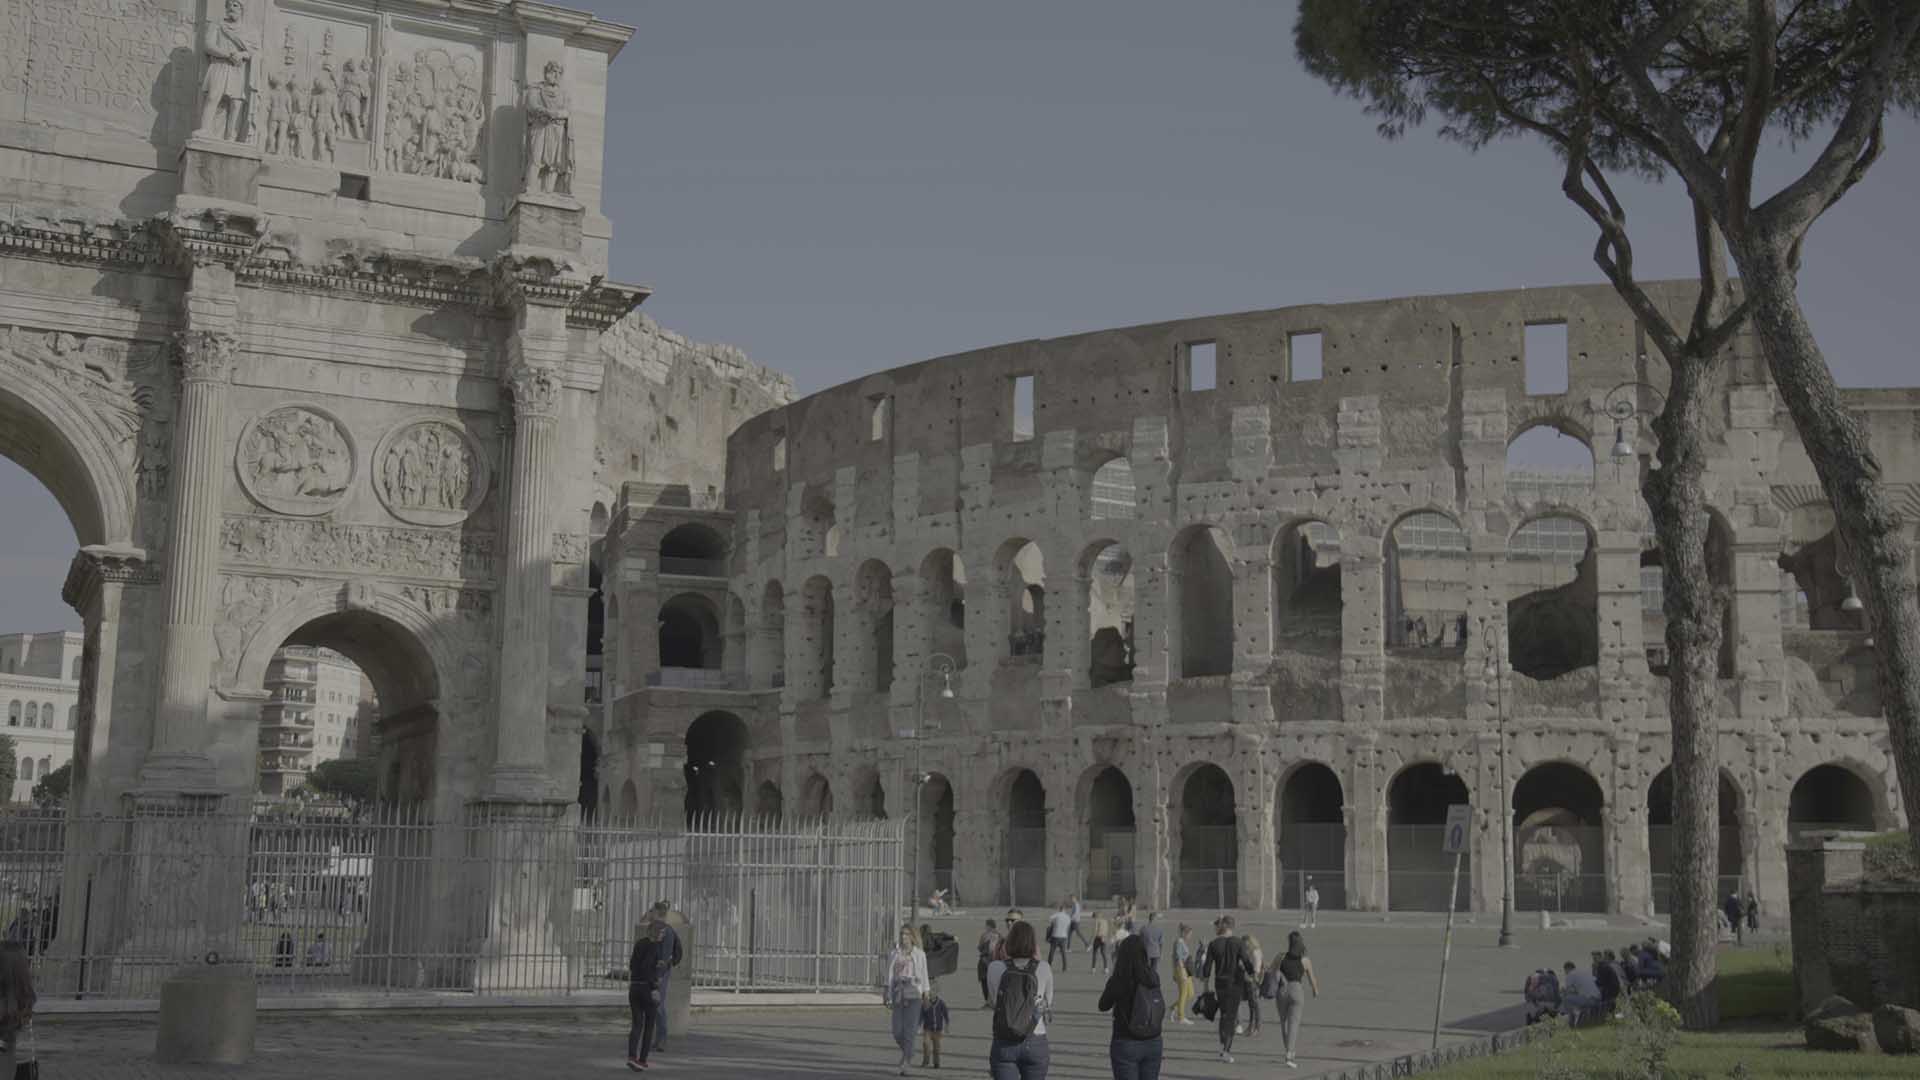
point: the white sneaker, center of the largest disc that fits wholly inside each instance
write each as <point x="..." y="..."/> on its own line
<point x="1187" y="1020"/>
<point x="1239" y="1029"/>
<point x="1292" y="1064"/>
<point x="1226" y="1057"/>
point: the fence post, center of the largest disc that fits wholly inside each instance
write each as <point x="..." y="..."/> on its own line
<point x="819" y="903"/>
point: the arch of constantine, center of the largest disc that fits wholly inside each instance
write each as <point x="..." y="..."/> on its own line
<point x="304" y="320"/>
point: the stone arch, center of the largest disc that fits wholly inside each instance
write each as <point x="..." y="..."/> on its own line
<point x="1550" y="456"/>
<point x="934" y="824"/>
<point x="816" y="797"/>
<point x="690" y="635"/>
<point x="1838" y="794"/>
<point x="1559" y="839"/>
<point x="873" y="612"/>
<point x="1552" y="590"/>
<point x="1309" y="819"/>
<point x="1425" y="581"/>
<point x="1107" y="568"/>
<point x="768" y="802"/>
<point x="1023" y="855"/>
<point x="1019" y="568"/>
<point x="943" y="599"/>
<point x="1112" y="493"/>
<point x="1306" y="585"/>
<point x="1418" y="870"/>
<point x="869" y="793"/>
<point x="1200" y="592"/>
<point x="815" y="679"/>
<point x="695" y="549"/>
<point x="48" y="430"/>
<point x="629" y="801"/>
<point x="1207" y="858"/>
<point x="716" y="766"/>
<point x="813" y="534"/>
<point x="1813" y="557"/>
<point x="1106" y="797"/>
<point x="1730" y="851"/>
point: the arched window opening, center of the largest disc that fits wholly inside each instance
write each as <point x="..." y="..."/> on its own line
<point x="1110" y="836"/>
<point x="870" y="796"/>
<point x="1418" y="869"/>
<point x="1110" y="611"/>
<point x="715" y="770"/>
<point x="934" y="850"/>
<point x="13" y="713"/>
<point x="1306" y="585"/>
<point x="1559" y="848"/>
<point x="1026" y="841"/>
<point x="1208" y="874"/>
<point x="693" y="550"/>
<point x="1425" y="561"/>
<point x="1113" y="493"/>
<point x="1203" y="601"/>
<point x="943" y="584"/>
<point x="816" y="798"/>
<point x="1548" y="465"/>
<point x="1731" y="872"/>
<point x="33" y="714"/>
<point x="1829" y="798"/>
<point x="689" y="634"/>
<point x="1023" y="573"/>
<point x="1824" y="594"/>
<point x="629" y="801"/>
<point x="769" y="803"/>
<point x="1311" y="824"/>
<point x="1553" y="598"/>
<point x="361" y="660"/>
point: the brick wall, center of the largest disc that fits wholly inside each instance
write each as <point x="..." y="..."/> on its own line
<point x="1857" y="939"/>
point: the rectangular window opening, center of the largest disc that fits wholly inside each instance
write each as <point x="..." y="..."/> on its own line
<point x="353" y="187"/>
<point x="1201" y="366"/>
<point x="780" y="454"/>
<point x="879" y="417"/>
<point x="1546" y="358"/>
<point x="1303" y="357"/>
<point x="1022" y="408"/>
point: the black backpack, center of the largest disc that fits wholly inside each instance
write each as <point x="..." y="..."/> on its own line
<point x="1016" y="1008"/>
<point x="1146" y="1012"/>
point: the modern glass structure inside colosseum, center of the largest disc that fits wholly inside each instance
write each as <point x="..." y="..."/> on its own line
<point x="1198" y="610"/>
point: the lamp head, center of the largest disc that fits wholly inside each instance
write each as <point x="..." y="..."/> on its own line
<point x="1851" y="603"/>
<point x="946" y="685"/>
<point x="1622" y="449"/>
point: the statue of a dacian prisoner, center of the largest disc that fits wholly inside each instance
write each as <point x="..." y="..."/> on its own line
<point x="228" y="86"/>
<point x="549" y="136"/>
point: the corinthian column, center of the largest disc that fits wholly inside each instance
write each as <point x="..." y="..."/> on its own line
<point x="526" y="594"/>
<point x="177" y="761"/>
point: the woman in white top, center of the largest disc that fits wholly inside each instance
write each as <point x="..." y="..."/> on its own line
<point x="907" y="987"/>
<point x="1028" y="1058"/>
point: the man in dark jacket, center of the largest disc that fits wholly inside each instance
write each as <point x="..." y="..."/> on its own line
<point x="1232" y="970"/>
<point x="670" y="957"/>
<point x="647" y="990"/>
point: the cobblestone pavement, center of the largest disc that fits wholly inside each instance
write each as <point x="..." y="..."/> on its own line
<point x="1379" y="981"/>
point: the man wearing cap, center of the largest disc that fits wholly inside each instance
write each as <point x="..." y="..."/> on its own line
<point x="669" y="959"/>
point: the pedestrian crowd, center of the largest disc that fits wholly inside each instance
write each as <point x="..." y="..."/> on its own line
<point x="1583" y="996"/>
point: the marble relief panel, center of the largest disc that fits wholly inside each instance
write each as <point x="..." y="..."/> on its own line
<point x="434" y="107"/>
<point x="315" y="95"/>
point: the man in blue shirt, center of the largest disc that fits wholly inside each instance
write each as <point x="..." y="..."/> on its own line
<point x="1154" y="934"/>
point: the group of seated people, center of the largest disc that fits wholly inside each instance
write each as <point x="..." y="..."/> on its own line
<point x="1584" y="996"/>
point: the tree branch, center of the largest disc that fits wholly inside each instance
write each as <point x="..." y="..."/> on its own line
<point x="1755" y="107"/>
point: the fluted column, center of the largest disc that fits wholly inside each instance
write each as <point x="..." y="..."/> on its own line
<point x="177" y="761"/>
<point x="526" y="594"/>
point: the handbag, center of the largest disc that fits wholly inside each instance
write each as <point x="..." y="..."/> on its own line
<point x="1207" y="1005"/>
<point x="1269" y="984"/>
<point x="30" y="1068"/>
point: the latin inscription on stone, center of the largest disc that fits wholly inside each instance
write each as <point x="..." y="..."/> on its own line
<point x="121" y="61"/>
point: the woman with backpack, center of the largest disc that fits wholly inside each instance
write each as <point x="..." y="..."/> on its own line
<point x="1022" y="991"/>
<point x="1289" y="999"/>
<point x="1133" y="995"/>
<point x="907" y="987"/>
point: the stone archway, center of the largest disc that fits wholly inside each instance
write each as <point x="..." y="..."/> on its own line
<point x="1418" y="872"/>
<point x="1559" y="840"/>
<point x="1310" y="818"/>
<point x="716" y="775"/>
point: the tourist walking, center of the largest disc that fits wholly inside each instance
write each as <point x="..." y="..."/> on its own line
<point x="1226" y="961"/>
<point x="1259" y="957"/>
<point x="907" y="989"/>
<point x="989" y="952"/>
<point x="16" y="1007"/>
<point x="670" y="949"/>
<point x="934" y="1019"/>
<point x="1291" y="969"/>
<point x="1022" y="991"/>
<point x="1184" y="963"/>
<point x="1753" y="912"/>
<point x="1059" y="935"/>
<point x="1155" y="936"/>
<point x="1311" y="899"/>
<point x="1102" y="933"/>
<point x="1139" y="1009"/>
<point x="1736" y="913"/>
<point x="646" y="993"/>
<point x="1079" y="910"/>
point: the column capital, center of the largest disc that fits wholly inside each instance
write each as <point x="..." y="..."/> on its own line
<point x="207" y="355"/>
<point x="99" y="564"/>
<point x="535" y="389"/>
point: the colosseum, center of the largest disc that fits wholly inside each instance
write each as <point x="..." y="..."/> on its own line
<point x="1196" y="611"/>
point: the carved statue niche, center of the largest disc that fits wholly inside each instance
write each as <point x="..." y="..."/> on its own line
<point x="430" y="472"/>
<point x="296" y="460"/>
<point x="549" y="112"/>
<point x="230" y="83"/>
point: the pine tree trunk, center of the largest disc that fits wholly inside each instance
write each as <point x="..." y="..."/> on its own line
<point x="1676" y="494"/>
<point x="1870" y="524"/>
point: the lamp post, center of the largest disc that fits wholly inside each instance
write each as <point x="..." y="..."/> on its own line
<point x="944" y="666"/>
<point x="1496" y="671"/>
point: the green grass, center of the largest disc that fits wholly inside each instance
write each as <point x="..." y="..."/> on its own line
<point x="1765" y="1052"/>
<point x="1755" y="983"/>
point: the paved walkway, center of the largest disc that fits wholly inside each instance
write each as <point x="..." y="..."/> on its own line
<point x="1379" y="980"/>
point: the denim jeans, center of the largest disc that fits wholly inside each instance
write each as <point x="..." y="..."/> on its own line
<point x="660" y="1026"/>
<point x="1027" y="1060"/>
<point x="906" y="1024"/>
<point x="1135" y="1059"/>
<point x="1292" y="1001"/>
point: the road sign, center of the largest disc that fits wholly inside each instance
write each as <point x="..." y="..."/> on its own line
<point x="1458" y="816"/>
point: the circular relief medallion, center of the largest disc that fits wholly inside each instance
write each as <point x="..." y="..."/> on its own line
<point x="430" y="472"/>
<point x="296" y="460"/>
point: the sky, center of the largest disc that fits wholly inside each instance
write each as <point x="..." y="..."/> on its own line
<point x="843" y="186"/>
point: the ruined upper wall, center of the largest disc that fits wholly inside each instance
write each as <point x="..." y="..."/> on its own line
<point x="427" y="102"/>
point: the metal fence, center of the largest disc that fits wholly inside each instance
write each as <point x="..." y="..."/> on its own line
<point x="1419" y="870"/>
<point x="1314" y="850"/>
<point x="1216" y="888"/>
<point x="316" y="901"/>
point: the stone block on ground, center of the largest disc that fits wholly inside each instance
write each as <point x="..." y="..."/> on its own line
<point x="1839" y="1024"/>
<point x="206" y="1016"/>
<point x="1897" y="1029"/>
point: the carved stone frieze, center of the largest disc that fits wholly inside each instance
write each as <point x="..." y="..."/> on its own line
<point x="569" y="549"/>
<point x="245" y="603"/>
<point x="436" y="114"/>
<point x="430" y="472"/>
<point x="296" y="460"/>
<point x="256" y="540"/>
<point x="119" y="382"/>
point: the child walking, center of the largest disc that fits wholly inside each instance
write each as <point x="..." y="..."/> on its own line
<point x="933" y="1025"/>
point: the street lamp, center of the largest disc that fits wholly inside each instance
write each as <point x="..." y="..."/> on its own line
<point x="944" y="666"/>
<point x="1495" y="671"/>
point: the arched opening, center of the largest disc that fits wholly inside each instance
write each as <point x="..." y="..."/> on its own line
<point x="1425" y="567"/>
<point x="629" y="801"/>
<point x="716" y="767"/>
<point x="869" y="795"/>
<point x="588" y="795"/>
<point x="1731" y="872"/>
<point x="1548" y="464"/>
<point x="1310" y="821"/>
<point x="1110" y="608"/>
<point x="693" y="550"/>
<point x="769" y="803"/>
<point x="1113" y="493"/>
<point x="813" y="533"/>
<point x="943" y="585"/>
<point x="1553" y="598"/>
<point x="1022" y="571"/>
<point x="873" y="598"/>
<point x="934" y="851"/>
<point x="689" y="634"/>
<point x="1025" y="858"/>
<point x="1559" y="842"/>
<point x="816" y="643"/>
<point x="816" y="798"/>
<point x="1832" y="797"/>
<point x="1418" y="868"/>
<point x="1306" y="587"/>
<point x="597" y="520"/>
<point x="1110" y="836"/>
<point x="1201" y="567"/>
<point x="1208" y="874"/>
<point x="1819" y="570"/>
<point x="596" y="631"/>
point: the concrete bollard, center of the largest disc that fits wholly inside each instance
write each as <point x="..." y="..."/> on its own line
<point x="680" y="987"/>
<point x="206" y="1016"/>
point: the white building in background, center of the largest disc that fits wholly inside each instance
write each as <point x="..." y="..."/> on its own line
<point x="321" y="708"/>
<point x="40" y="688"/>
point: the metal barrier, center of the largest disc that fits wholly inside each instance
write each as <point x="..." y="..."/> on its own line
<point x="319" y="900"/>
<point x="1441" y="1057"/>
<point x="1216" y="888"/>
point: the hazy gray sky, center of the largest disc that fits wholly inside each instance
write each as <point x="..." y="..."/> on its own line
<point x="842" y="186"/>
